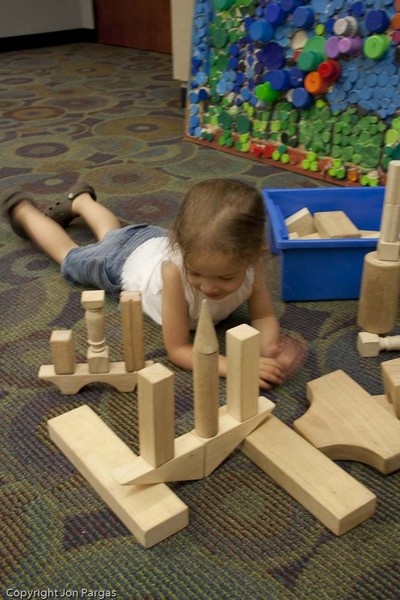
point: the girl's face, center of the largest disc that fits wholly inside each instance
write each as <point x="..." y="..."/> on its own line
<point x="215" y="274"/>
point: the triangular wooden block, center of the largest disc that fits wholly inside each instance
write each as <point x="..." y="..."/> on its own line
<point x="346" y="423"/>
<point x="195" y="457"/>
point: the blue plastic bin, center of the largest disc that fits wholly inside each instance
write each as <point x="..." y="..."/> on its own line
<point x="322" y="269"/>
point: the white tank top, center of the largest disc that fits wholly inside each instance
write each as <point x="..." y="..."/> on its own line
<point x="142" y="272"/>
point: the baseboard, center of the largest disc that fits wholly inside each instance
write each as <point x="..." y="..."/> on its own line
<point x="53" y="38"/>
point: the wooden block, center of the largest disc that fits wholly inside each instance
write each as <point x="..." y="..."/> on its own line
<point x="345" y="423"/>
<point x="301" y="222"/>
<point x="132" y="330"/>
<point x="195" y="457"/>
<point x="156" y="404"/>
<point x="391" y="382"/>
<point x="231" y="433"/>
<point x="311" y="236"/>
<point x="388" y="251"/>
<point x="293" y="235"/>
<point x="205" y="375"/>
<point x="384" y="401"/>
<point x="98" y="362"/>
<point x="93" y="299"/>
<point x="322" y="487"/>
<point x="390" y="225"/>
<point x="369" y="233"/>
<point x="335" y="224"/>
<point x="72" y="383"/>
<point x="187" y="464"/>
<point x="243" y="349"/>
<point x="151" y="513"/>
<point x="62" y="351"/>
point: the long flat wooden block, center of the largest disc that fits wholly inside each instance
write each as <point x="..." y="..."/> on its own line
<point x="322" y="487"/>
<point x="335" y="224"/>
<point x="345" y="423"/>
<point x="151" y="513"/>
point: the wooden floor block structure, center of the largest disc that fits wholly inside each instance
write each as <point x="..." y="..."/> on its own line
<point x="322" y="487"/>
<point x="70" y="377"/>
<point x="151" y="513"/>
<point x="134" y="486"/>
<point x="346" y="423"/>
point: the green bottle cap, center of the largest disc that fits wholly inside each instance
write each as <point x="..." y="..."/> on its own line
<point x="375" y="46"/>
<point x="265" y="92"/>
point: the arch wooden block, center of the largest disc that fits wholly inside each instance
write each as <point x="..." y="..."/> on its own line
<point x="346" y="423"/>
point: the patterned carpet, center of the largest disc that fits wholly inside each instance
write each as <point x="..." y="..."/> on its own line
<point x="114" y="115"/>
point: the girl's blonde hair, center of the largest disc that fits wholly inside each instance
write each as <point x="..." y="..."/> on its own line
<point x="221" y="215"/>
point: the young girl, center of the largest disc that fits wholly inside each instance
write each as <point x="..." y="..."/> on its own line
<point x="214" y="250"/>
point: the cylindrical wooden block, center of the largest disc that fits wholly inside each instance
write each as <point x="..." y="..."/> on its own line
<point x="206" y="393"/>
<point x="379" y="295"/>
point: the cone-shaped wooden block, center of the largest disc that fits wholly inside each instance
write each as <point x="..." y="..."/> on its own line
<point x="205" y="375"/>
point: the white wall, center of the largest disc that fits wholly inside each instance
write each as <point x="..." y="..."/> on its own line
<point x="26" y="17"/>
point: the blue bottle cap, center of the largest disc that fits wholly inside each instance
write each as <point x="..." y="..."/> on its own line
<point x="303" y="17"/>
<point x="261" y="31"/>
<point x="301" y="98"/>
<point x="377" y="21"/>
<point x="280" y="80"/>
<point x="275" y="14"/>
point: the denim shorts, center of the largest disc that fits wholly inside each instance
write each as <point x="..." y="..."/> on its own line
<point x="100" y="265"/>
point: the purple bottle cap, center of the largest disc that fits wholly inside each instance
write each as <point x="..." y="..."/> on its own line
<point x="332" y="47"/>
<point x="351" y="46"/>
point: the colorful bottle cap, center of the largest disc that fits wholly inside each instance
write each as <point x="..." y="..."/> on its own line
<point x="266" y="93"/>
<point x="261" y="31"/>
<point x="315" y="84"/>
<point x="303" y="17"/>
<point x="301" y="98"/>
<point x="377" y="21"/>
<point x="375" y="46"/>
<point x="296" y="76"/>
<point x="280" y="80"/>
<point x="329" y="70"/>
<point x="309" y="60"/>
<point x="275" y="14"/>
<point x="350" y="45"/>
<point x="332" y="47"/>
<point x="346" y="26"/>
<point x="273" y="56"/>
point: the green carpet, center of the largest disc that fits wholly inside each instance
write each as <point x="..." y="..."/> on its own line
<point x="114" y="116"/>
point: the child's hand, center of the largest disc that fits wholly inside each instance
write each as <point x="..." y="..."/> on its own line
<point x="290" y="354"/>
<point x="282" y="361"/>
<point x="271" y="373"/>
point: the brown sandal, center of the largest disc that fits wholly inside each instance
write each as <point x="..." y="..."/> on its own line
<point x="61" y="211"/>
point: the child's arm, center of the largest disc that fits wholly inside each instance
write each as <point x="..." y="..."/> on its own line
<point x="175" y="321"/>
